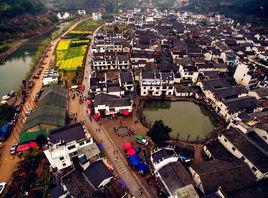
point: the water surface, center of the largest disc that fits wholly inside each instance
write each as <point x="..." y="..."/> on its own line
<point x="183" y="117"/>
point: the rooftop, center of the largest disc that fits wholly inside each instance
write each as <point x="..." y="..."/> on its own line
<point x="253" y="154"/>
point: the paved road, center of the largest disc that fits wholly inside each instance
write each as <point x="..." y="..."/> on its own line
<point x="120" y="164"/>
<point x="9" y="163"/>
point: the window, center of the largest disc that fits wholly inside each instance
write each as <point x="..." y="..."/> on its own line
<point x="81" y="143"/>
<point x="61" y="158"/>
<point x="71" y="147"/>
<point x="156" y="92"/>
<point x="254" y="169"/>
<point x="233" y="148"/>
<point x="243" y="158"/>
<point x="157" y="87"/>
<point x="225" y="140"/>
<point x="88" y="141"/>
<point x="144" y="92"/>
<point x="63" y="164"/>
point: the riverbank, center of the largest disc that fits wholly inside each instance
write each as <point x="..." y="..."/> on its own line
<point x="17" y="44"/>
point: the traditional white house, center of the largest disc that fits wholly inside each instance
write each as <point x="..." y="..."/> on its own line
<point x="96" y="16"/>
<point x="68" y="142"/>
<point x="50" y="77"/>
<point x="126" y="80"/>
<point x="168" y="168"/>
<point x="242" y="148"/>
<point x="245" y="75"/>
<point x="62" y="16"/>
<point x="97" y="84"/>
<point x="81" y="12"/>
<point x="188" y="73"/>
<point x="157" y="84"/>
<point x="106" y="104"/>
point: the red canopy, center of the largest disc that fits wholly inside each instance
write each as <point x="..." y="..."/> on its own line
<point x="127" y="145"/>
<point x="131" y="152"/>
<point x="25" y="147"/>
<point x="88" y="102"/>
<point x="96" y="116"/>
<point x="125" y="112"/>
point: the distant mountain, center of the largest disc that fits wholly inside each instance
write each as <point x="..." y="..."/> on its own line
<point x="23" y="18"/>
<point x="258" y="8"/>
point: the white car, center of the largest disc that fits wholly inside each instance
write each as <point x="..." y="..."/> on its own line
<point x="28" y="111"/>
<point x="2" y="187"/>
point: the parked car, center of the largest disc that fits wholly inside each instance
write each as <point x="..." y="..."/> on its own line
<point x="5" y="131"/>
<point x="28" y="111"/>
<point x="13" y="149"/>
<point x="22" y="101"/>
<point x="141" y="140"/>
<point x="2" y="187"/>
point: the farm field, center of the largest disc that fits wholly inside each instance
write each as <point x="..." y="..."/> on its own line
<point x="88" y="25"/>
<point x="70" y="54"/>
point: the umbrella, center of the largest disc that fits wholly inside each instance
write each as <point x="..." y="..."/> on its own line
<point x="125" y="113"/>
<point x="142" y="167"/>
<point x="88" y="102"/>
<point x="96" y="116"/>
<point x="131" y="152"/>
<point x="127" y="145"/>
<point x="134" y="160"/>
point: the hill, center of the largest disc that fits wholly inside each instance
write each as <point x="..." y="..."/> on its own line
<point x="23" y="18"/>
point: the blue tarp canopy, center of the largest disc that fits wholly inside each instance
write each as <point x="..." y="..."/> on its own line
<point x="134" y="160"/>
<point x="142" y="167"/>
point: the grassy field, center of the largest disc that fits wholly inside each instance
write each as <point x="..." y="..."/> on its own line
<point x="88" y="25"/>
<point x="70" y="54"/>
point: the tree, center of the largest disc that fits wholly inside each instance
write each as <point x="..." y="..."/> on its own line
<point x="41" y="140"/>
<point x="6" y="113"/>
<point x="159" y="133"/>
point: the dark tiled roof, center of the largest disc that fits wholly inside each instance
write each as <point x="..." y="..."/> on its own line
<point x="162" y="154"/>
<point x="246" y="103"/>
<point x="111" y="101"/>
<point x="229" y="92"/>
<point x="229" y="176"/>
<point x="215" y="84"/>
<point x="175" y="176"/>
<point x="57" y="191"/>
<point x="77" y="185"/>
<point x="251" y="152"/>
<point x="125" y="76"/>
<point x="67" y="134"/>
<point x="97" y="172"/>
<point x="218" y="151"/>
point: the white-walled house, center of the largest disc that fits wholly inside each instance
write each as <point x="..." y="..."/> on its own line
<point x="68" y="142"/>
<point x="188" y="73"/>
<point x="62" y="16"/>
<point x="168" y="169"/>
<point x="96" y="16"/>
<point x="240" y="146"/>
<point x="106" y="104"/>
<point x="157" y="84"/>
<point x="245" y="75"/>
<point x="126" y="80"/>
<point x="209" y="176"/>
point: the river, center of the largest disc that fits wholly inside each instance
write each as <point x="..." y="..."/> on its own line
<point x="183" y="117"/>
<point x="13" y="70"/>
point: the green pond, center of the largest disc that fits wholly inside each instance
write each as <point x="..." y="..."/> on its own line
<point x="183" y="117"/>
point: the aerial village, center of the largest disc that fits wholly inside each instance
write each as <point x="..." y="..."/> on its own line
<point x="84" y="109"/>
